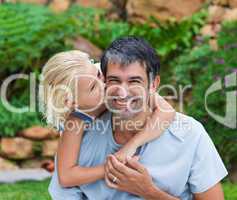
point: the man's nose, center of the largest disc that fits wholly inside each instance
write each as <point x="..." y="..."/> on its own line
<point x="123" y="91"/>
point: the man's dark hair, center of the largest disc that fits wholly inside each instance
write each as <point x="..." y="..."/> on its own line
<point x="128" y="50"/>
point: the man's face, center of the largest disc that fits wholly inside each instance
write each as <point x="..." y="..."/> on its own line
<point x="127" y="89"/>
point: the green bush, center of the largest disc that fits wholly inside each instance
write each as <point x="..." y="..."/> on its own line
<point x="11" y="123"/>
<point x="201" y="67"/>
<point x="29" y="35"/>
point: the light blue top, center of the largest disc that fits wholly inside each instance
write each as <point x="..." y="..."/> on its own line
<point x="182" y="161"/>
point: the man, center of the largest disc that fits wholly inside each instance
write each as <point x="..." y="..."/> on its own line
<point x="182" y="164"/>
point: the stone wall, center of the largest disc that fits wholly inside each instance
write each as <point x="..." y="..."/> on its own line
<point x="140" y="10"/>
<point x="34" y="147"/>
<point x="218" y="12"/>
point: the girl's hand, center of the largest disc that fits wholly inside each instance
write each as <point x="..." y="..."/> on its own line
<point x="125" y="153"/>
<point x="162" y="116"/>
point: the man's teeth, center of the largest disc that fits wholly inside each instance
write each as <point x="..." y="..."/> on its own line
<point x="121" y="102"/>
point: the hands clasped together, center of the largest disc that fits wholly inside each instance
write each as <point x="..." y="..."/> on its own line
<point x="127" y="174"/>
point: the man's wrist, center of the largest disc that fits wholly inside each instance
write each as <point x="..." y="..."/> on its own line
<point x="153" y="192"/>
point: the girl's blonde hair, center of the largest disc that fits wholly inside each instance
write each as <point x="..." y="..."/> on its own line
<point x="58" y="78"/>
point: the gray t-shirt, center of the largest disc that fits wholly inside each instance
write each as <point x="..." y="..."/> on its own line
<point x="181" y="162"/>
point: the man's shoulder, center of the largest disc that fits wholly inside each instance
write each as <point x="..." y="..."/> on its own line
<point x="186" y="127"/>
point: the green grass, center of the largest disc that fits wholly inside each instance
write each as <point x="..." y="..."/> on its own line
<point x="230" y="191"/>
<point x="31" y="190"/>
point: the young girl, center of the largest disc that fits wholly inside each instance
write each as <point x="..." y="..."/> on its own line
<point x="68" y="83"/>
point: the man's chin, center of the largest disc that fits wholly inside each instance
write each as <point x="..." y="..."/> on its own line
<point x="125" y="115"/>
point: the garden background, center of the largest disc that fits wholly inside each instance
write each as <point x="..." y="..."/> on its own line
<point x="195" y="39"/>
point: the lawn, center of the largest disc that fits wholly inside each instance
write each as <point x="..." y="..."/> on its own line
<point x="30" y="190"/>
<point x="38" y="191"/>
<point x="230" y="191"/>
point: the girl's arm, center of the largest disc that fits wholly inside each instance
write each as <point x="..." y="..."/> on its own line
<point x="162" y="116"/>
<point x="69" y="172"/>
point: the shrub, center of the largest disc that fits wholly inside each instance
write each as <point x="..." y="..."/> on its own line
<point x="11" y="123"/>
<point x="201" y="67"/>
<point x="29" y="35"/>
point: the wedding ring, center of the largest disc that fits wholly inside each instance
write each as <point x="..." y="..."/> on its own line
<point x="114" y="180"/>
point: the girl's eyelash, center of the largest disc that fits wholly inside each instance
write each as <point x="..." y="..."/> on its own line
<point x="93" y="87"/>
<point x="113" y="80"/>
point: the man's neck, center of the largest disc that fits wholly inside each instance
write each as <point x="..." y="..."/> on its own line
<point x="124" y="130"/>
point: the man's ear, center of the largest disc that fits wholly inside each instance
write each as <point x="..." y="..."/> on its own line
<point x="155" y="84"/>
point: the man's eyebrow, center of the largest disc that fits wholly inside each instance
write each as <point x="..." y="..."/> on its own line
<point x="136" y="78"/>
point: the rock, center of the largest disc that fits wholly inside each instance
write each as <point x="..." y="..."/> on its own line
<point x="117" y="10"/>
<point x="49" y="148"/>
<point x="230" y="15"/>
<point x="16" y="148"/>
<point x="59" y="5"/>
<point x="49" y="165"/>
<point x="7" y="165"/>
<point x="213" y="44"/>
<point x="207" y="30"/>
<point x="233" y="3"/>
<point x="215" y="14"/>
<point x="39" y="133"/>
<point x="94" y="3"/>
<point x="85" y="45"/>
<point x="220" y="2"/>
<point x="210" y="30"/>
<point x="141" y="10"/>
<point x="35" y="163"/>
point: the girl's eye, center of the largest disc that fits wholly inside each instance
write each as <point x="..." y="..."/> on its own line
<point x="93" y="87"/>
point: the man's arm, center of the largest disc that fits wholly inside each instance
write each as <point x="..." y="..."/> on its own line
<point x="133" y="178"/>
<point x="156" y="194"/>
<point x="215" y="192"/>
<point x="207" y="170"/>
